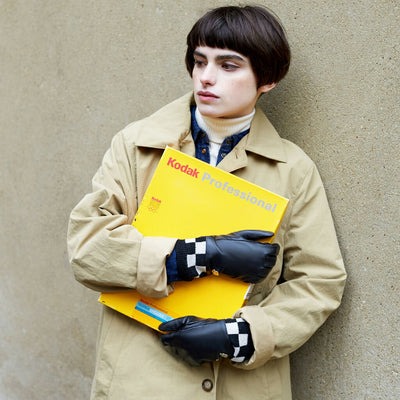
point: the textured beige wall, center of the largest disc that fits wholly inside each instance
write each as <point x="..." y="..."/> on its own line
<point x="74" y="73"/>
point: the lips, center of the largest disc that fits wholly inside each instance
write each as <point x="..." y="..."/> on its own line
<point x="204" y="95"/>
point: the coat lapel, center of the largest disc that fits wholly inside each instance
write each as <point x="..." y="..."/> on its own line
<point x="170" y="126"/>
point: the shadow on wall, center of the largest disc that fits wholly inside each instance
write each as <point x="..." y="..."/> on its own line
<point x="290" y="117"/>
<point x="294" y="109"/>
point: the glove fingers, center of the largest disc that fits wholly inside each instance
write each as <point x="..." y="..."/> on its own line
<point x="167" y="338"/>
<point x="273" y="249"/>
<point x="177" y="323"/>
<point x="172" y="325"/>
<point x="254" y="234"/>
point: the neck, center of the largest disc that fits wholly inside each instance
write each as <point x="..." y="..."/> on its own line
<point x="218" y="129"/>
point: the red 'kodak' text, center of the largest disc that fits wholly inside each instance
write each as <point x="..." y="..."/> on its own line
<point x="183" y="168"/>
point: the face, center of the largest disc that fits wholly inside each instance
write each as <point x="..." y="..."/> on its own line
<point x="224" y="83"/>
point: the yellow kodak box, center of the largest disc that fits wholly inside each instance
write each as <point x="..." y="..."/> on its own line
<point x="187" y="198"/>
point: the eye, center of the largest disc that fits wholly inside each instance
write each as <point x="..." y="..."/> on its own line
<point x="198" y="63"/>
<point x="229" y="66"/>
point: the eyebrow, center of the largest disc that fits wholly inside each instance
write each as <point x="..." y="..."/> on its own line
<point x="221" y="57"/>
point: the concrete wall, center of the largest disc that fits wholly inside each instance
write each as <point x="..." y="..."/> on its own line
<point x="74" y="73"/>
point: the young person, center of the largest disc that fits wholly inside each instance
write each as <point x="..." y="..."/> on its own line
<point x="234" y="55"/>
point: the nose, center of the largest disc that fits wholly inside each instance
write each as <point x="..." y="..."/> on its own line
<point x="208" y="75"/>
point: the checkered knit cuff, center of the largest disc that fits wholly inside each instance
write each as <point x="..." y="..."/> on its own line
<point x="240" y="336"/>
<point x="191" y="258"/>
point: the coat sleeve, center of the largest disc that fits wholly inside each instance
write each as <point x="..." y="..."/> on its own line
<point x="314" y="278"/>
<point x="105" y="251"/>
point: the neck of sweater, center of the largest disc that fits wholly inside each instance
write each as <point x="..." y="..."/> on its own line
<point x="218" y="129"/>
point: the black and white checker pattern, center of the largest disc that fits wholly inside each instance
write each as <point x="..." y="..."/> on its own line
<point x="240" y="336"/>
<point x="191" y="258"/>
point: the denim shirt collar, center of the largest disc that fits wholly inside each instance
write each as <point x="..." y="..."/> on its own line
<point x="201" y="141"/>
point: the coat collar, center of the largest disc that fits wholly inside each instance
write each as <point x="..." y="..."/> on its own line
<point x="170" y="126"/>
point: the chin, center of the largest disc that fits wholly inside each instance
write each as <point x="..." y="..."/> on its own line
<point x="211" y="115"/>
<point x="207" y="112"/>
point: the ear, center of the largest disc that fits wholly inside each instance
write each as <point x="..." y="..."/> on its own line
<point x="266" y="88"/>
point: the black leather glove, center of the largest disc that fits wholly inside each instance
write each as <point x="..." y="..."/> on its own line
<point x="197" y="340"/>
<point x="241" y="256"/>
<point x="238" y="254"/>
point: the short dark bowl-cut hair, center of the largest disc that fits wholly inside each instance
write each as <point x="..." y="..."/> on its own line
<point x="250" y="30"/>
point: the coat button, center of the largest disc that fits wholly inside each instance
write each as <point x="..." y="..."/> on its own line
<point x="207" y="385"/>
<point x="204" y="151"/>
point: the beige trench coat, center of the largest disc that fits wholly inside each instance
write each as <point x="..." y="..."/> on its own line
<point x="108" y="254"/>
